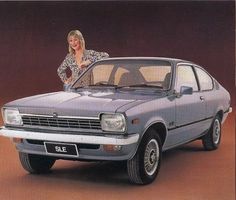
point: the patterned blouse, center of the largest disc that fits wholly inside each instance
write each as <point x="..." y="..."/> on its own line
<point x="70" y="62"/>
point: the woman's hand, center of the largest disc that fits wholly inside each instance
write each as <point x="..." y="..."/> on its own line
<point x="85" y="63"/>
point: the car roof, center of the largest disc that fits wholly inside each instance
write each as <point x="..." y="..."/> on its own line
<point x="173" y="60"/>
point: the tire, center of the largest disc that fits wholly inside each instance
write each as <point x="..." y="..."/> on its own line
<point x="144" y="166"/>
<point x="211" y="140"/>
<point x="36" y="164"/>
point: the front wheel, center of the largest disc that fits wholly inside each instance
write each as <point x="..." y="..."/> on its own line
<point x="212" y="139"/>
<point x="144" y="166"/>
<point x="36" y="164"/>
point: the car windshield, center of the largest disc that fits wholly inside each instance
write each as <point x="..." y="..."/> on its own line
<point x="127" y="73"/>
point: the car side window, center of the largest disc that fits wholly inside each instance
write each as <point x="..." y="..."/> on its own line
<point x="205" y="80"/>
<point x="185" y="77"/>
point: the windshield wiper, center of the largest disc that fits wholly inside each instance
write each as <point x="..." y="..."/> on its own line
<point x="99" y="84"/>
<point x="145" y="85"/>
<point x="76" y="88"/>
<point x="103" y="84"/>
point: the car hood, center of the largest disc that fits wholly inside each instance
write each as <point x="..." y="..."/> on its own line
<point x="87" y="103"/>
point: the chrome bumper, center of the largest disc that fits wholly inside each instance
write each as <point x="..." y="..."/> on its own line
<point x="86" y="139"/>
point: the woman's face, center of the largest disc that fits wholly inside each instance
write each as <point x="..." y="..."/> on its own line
<point x="74" y="42"/>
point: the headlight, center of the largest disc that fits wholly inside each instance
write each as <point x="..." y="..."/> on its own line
<point x="11" y="116"/>
<point x="113" y="122"/>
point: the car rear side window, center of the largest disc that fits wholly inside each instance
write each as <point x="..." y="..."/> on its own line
<point x="186" y="77"/>
<point x="205" y="80"/>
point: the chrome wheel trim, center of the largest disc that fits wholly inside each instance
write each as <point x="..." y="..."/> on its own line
<point x="151" y="157"/>
<point x="216" y="131"/>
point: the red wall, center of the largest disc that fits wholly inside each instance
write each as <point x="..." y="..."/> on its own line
<point x="33" y="38"/>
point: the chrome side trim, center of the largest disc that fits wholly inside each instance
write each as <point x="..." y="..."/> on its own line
<point x="86" y="139"/>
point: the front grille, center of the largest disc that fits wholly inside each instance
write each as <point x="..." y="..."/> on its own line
<point x="77" y="123"/>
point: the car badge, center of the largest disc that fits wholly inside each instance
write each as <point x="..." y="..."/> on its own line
<point x="54" y="114"/>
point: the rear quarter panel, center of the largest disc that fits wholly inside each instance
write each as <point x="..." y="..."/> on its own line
<point x="216" y="100"/>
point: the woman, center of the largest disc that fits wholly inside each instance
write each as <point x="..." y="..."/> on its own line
<point x="78" y="58"/>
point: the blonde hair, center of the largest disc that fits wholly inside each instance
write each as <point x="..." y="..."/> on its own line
<point x="77" y="34"/>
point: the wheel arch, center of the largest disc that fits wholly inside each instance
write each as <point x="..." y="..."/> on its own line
<point x="160" y="129"/>
<point x="220" y="113"/>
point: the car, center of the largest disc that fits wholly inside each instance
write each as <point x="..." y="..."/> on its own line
<point x="128" y="109"/>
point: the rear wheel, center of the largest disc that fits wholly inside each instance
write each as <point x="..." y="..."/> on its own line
<point x="36" y="164"/>
<point x="211" y="140"/>
<point x="144" y="166"/>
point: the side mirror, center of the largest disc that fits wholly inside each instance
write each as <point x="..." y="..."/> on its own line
<point x="186" y="90"/>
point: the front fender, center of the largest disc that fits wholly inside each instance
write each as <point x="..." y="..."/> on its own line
<point x="151" y="122"/>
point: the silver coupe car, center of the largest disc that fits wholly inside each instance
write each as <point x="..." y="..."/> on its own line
<point x="120" y="109"/>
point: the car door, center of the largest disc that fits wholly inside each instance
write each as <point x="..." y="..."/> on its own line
<point x="190" y="108"/>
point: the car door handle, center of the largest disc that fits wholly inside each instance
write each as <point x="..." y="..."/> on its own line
<point x="202" y="98"/>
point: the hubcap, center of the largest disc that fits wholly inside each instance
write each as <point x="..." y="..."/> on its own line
<point x="216" y="131"/>
<point x="151" y="157"/>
